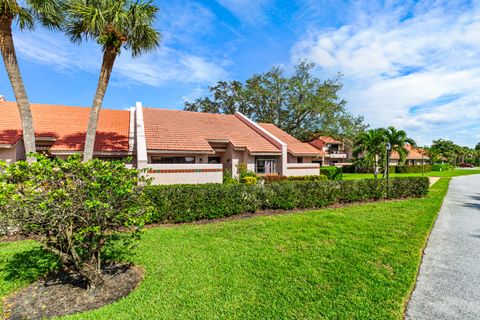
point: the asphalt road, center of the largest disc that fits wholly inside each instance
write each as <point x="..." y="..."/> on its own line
<point x="448" y="285"/>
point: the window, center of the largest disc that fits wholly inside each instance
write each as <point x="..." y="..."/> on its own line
<point x="299" y="160"/>
<point x="173" y="160"/>
<point x="214" y="160"/>
<point x="266" y="166"/>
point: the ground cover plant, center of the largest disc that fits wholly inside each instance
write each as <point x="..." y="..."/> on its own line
<point x="355" y="262"/>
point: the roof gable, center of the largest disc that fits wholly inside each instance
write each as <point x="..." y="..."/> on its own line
<point x="174" y="130"/>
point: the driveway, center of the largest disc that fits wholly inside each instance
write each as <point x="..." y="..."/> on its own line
<point x="448" y="285"/>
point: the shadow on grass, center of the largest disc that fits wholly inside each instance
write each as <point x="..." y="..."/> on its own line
<point x="30" y="265"/>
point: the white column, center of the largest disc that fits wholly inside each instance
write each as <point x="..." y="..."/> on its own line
<point x="142" y="157"/>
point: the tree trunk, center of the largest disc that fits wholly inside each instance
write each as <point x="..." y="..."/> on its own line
<point x="109" y="57"/>
<point x="10" y="59"/>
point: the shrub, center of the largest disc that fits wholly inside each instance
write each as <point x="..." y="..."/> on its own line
<point x="332" y="173"/>
<point x="308" y="178"/>
<point x="184" y="203"/>
<point x="249" y="180"/>
<point x="228" y="178"/>
<point x="273" y="178"/>
<point x="413" y="169"/>
<point x="441" y="167"/>
<point x="74" y="208"/>
<point x="243" y="171"/>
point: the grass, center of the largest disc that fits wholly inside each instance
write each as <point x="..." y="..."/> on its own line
<point x="442" y="174"/>
<point x="355" y="262"/>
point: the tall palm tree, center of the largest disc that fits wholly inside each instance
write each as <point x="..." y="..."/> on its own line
<point x="398" y="140"/>
<point x="371" y="145"/>
<point x="26" y="14"/>
<point x="114" y="24"/>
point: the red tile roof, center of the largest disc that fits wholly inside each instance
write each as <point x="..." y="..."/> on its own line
<point x="295" y="146"/>
<point x="173" y="130"/>
<point x="413" y="153"/>
<point x="68" y="126"/>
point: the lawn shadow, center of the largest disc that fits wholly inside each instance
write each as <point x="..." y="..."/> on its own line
<point x="30" y="265"/>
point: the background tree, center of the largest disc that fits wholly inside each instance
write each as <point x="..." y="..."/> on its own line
<point x="115" y="25"/>
<point x="477" y="147"/>
<point x="300" y="104"/>
<point x="447" y="149"/>
<point x="26" y="14"/>
<point x="371" y="147"/>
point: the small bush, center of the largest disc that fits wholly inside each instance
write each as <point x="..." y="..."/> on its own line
<point x="332" y="173"/>
<point x="413" y="169"/>
<point x="184" y="203"/>
<point x="228" y="178"/>
<point x="249" y="180"/>
<point x="74" y="208"/>
<point x="441" y="167"/>
<point x="243" y="171"/>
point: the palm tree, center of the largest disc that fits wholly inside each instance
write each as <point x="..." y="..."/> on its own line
<point x="398" y="140"/>
<point x="114" y="24"/>
<point x="371" y="144"/>
<point x="48" y="14"/>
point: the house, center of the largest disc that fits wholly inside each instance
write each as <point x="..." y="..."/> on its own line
<point x="173" y="146"/>
<point x="333" y="151"/>
<point x="60" y="131"/>
<point x="416" y="156"/>
<point x="192" y="147"/>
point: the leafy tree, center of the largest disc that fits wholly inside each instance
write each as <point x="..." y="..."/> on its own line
<point x="115" y="25"/>
<point x="447" y="149"/>
<point x="74" y="208"/>
<point x="371" y="145"/>
<point x="477" y="147"/>
<point x="300" y="104"/>
<point x="26" y="14"/>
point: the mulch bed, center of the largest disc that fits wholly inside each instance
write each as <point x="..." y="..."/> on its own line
<point x="62" y="293"/>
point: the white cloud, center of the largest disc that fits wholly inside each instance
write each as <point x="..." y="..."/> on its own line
<point x="167" y="65"/>
<point x="250" y="12"/>
<point x="414" y="66"/>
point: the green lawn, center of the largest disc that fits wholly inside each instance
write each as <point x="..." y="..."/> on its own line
<point x="445" y="174"/>
<point x="356" y="262"/>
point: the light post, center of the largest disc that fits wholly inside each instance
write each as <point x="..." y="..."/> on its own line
<point x="389" y="148"/>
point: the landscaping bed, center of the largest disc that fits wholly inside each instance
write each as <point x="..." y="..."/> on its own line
<point x="354" y="262"/>
<point x="61" y="293"/>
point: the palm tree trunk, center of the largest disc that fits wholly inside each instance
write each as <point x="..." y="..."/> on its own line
<point x="109" y="57"/>
<point x="10" y="59"/>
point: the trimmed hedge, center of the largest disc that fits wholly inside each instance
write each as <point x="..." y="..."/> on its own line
<point x="441" y="167"/>
<point x="413" y="169"/>
<point x="332" y="173"/>
<point x="277" y="178"/>
<point x="185" y="203"/>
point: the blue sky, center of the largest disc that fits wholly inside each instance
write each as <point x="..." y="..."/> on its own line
<point x="411" y="64"/>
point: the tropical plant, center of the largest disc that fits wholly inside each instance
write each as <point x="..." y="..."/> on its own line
<point x="371" y="146"/>
<point x="398" y="140"/>
<point x="26" y="14"/>
<point x="115" y="25"/>
<point x="75" y="209"/>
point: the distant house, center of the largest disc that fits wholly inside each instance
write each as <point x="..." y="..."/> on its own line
<point x="333" y="152"/>
<point x="60" y="131"/>
<point x="416" y="156"/>
<point x="174" y="146"/>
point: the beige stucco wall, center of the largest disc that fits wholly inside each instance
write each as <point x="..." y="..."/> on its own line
<point x="192" y="173"/>
<point x="302" y="169"/>
<point x="13" y="154"/>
